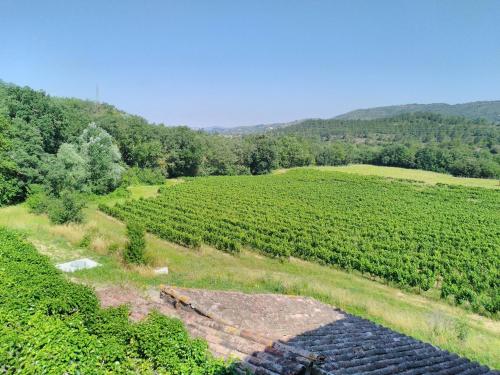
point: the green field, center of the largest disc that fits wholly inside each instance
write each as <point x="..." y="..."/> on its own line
<point x="421" y="237"/>
<point x="414" y="175"/>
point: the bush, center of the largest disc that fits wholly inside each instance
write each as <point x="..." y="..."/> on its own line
<point x="68" y="208"/>
<point x="38" y="203"/>
<point x="49" y="325"/>
<point x="134" y="252"/>
<point x="143" y="176"/>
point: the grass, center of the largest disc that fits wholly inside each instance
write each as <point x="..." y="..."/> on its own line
<point x="426" y="177"/>
<point x="102" y="238"/>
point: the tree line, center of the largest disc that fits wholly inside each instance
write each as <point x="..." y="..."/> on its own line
<point x="70" y="145"/>
<point x="455" y="145"/>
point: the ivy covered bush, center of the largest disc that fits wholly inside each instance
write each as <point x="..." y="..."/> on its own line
<point x="134" y="252"/>
<point x="49" y="325"/>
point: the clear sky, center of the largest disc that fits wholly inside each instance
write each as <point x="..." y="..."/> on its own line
<point x="228" y="63"/>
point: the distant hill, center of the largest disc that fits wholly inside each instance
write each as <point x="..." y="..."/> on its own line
<point x="422" y="127"/>
<point x="489" y="110"/>
<point x="252" y="129"/>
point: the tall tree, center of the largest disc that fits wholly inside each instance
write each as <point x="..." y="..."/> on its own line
<point x="68" y="171"/>
<point x="184" y="152"/>
<point x="293" y="152"/>
<point x="263" y="156"/>
<point x="102" y="157"/>
<point x="11" y="188"/>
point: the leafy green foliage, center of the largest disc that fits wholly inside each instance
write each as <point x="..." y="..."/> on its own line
<point x="134" y="251"/>
<point x="184" y="153"/>
<point x="38" y="202"/>
<point x="36" y="109"/>
<point x="263" y="155"/>
<point x="49" y="325"/>
<point x="102" y="158"/>
<point x="415" y="236"/>
<point x="143" y="176"/>
<point x="293" y="152"/>
<point x="396" y="155"/>
<point x="332" y="154"/>
<point x="69" y="170"/>
<point x="10" y="186"/>
<point x="67" y="208"/>
<point x="223" y="157"/>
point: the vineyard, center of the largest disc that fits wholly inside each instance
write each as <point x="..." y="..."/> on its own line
<point x="412" y="235"/>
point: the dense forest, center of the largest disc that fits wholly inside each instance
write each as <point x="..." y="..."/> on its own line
<point x="65" y="146"/>
<point x="426" y="141"/>
<point x="488" y="110"/>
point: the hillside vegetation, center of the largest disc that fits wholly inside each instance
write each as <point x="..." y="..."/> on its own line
<point x="49" y="325"/>
<point x="64" y="147"/>
<point x="454" y="145"/>
<point x="415" y="236"/>
<point x="488" y="110"/>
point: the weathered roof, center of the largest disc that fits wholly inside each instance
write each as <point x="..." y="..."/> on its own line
<point x="357" y="346"/>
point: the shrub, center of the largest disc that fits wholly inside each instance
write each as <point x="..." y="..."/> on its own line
<point x="38" y="203"/>
<point x="86" y="240"/>
<point x="134" y="252"/>
<point x="68" y="208"/>
<point x="143" y="176"/>
<point x="49" y="325"/>
<point x="462" y="329"/>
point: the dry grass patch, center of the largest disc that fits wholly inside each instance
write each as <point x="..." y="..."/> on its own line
<point x="99" y="245"/>
<point x="71" y="232"/>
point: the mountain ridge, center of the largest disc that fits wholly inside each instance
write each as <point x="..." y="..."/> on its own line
<point x="485" y="109"/>
<point x="489" y="110"/>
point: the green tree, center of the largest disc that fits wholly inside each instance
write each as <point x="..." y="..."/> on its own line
<point x="184" y="152"/>
<point x="26" y="151"/>
<point x="220" y="157"/>
<point x="38" y="110"/>
<point x="332" y="154"/>
<point x="293" y="152"/>
<point x="11" y="188"/>
<point x="396" y="155"/>
<point x="103" y="158"/>
<point x="149" y="154"/>
<point x="263" y="156"/>
<point x="68" y="171"/>
<point x="67" y="208"/>
<point x="432" y="158"/>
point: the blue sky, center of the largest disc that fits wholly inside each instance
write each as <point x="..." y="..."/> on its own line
<point x="228" y="63"/>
